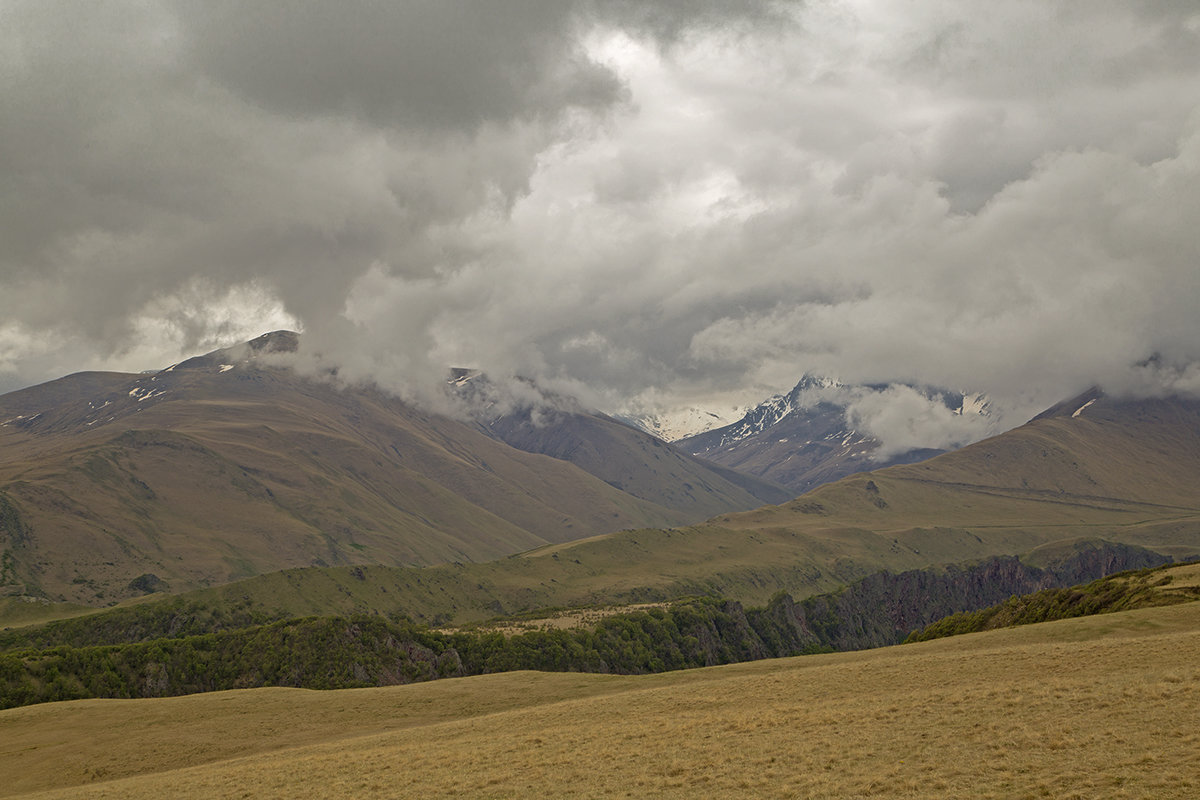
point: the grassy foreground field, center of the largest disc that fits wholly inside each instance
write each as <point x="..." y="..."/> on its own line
<point x="1103" y="706"/>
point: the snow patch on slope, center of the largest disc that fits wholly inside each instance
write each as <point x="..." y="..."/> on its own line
<point x="1079" y="410"/>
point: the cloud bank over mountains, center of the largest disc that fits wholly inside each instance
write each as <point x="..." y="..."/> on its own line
<point x="667" y="203"/>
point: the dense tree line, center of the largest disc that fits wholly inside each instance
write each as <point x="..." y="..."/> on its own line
<point x="173" y="617"/>
<point x="345" y="652"/>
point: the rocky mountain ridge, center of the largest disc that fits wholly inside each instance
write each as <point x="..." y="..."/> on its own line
<point x="819" y="431"/>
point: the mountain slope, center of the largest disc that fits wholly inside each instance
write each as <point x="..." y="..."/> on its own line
<point x="1123" y="472"/>
<point x="805" y="438"/>
<point x="224" y="466"/>
<point x="634" y="461"/>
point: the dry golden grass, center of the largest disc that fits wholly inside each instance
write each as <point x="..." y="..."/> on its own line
<point x="63" y="744"/>
<point x="1184" y="576"/>
<point x="1104" y="706"/>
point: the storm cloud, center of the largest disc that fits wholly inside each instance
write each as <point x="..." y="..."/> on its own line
<point x="645" y="204"/>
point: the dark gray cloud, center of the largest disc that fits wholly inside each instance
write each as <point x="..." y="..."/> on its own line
<point x="647" y="203"/>
<point x="429" y="65"/>
<point x="668" y="22"/>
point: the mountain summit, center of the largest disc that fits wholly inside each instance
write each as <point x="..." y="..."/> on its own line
<point x="823" y="430"/>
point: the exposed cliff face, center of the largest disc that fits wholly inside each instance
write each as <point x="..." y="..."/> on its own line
<point x="883" y="608"/>
<point x="1099" y="559"/>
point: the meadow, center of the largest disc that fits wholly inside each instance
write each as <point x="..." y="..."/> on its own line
<point x="1103" y="706"/>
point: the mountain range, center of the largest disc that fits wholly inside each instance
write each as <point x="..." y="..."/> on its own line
<point x="1092" y="476"/>
<point x="1094" y="470"/>
<point x="232" y="467"/>
<point x="676" y="425"/>
<point x="622" y="456"/>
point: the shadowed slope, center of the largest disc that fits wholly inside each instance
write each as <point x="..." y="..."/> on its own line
<point x="636" y="462"/>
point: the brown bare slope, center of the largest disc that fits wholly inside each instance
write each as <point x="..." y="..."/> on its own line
<point x="224" y="467"/>
<point x="636" y="462"/>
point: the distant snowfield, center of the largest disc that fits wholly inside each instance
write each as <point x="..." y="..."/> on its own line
<point x="671" y="426"/>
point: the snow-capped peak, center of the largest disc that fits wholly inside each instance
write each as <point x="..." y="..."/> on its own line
<point x="979" y="404"/>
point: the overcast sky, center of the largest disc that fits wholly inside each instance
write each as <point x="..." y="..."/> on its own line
<point x="664" y="204"/>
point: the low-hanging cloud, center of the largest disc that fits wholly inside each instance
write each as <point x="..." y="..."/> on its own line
<point x="901" y="417"/>
<point x="681" y="202"/>
<point x="904" y="418"/>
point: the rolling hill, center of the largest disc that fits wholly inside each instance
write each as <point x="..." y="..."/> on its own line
<point x="1110" y="714"/>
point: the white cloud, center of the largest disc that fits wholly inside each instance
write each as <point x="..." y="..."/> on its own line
<point x="903" y="419"/>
